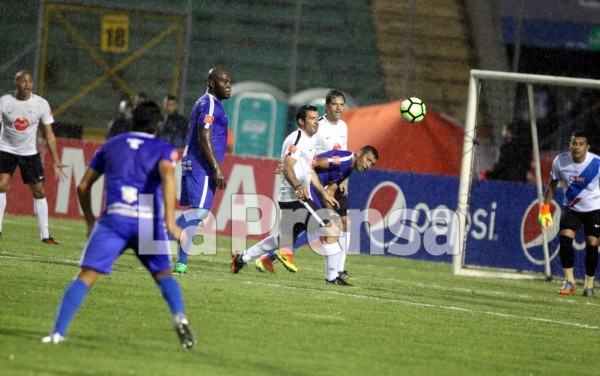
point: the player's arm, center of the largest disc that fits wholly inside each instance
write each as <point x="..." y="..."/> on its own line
<point x="549" y="194"/>
<point x="343" y="186"/>
<point x="51" y="141"/>
<point x="545" y="216"/>
<point x="84" y="195"/>
<point x="325" y="197"/>
<point x="209" y="153"/>
<point x="289" y="175"/>
<point x="167" y="175"/>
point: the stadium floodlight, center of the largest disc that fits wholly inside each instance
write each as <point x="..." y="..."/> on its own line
<point x="550" y="108"/>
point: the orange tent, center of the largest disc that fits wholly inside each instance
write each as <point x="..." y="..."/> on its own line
<point x="433" y="146"/>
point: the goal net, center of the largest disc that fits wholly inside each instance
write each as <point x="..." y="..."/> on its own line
<point x="515" y="125"/>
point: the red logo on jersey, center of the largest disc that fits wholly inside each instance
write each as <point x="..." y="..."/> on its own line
<point x="314" y="161"/>
<point x="337" y="147"/>
<point x="21" y="124"/>
<point x="208" y="119"/>
<point x="292" y="149"/>
<point x="336" y="159"/>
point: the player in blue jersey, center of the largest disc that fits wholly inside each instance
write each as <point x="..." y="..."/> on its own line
<point x="332" y="169"/>
<point x="204" y="151"/>
<point x="579" y="171"/>
<point x="139" y="177"/>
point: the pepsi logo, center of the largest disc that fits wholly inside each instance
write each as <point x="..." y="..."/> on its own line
<point x="532" y="238"/>
<point x="21" y="124"/>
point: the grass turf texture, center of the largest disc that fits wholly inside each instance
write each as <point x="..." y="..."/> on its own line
<point x="402" y="317"/>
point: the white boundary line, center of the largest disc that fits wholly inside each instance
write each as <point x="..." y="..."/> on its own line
<point x="430" y="305"/>
<point x="376" y="298"/>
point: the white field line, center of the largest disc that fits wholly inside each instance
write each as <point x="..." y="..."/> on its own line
<point x="361" y="296"/>
<point x="430" y="305"/>
<point x="21" y="224"/>
<point x="465" y="290"/>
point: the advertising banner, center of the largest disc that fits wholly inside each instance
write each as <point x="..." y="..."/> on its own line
<point x="392" y="213"/>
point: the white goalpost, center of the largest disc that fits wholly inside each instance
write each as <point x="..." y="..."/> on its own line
<point x="549" y="109"/>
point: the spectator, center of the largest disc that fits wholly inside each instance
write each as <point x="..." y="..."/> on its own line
<point x="514" y="161"/>
<point x="122" y="123"/>
<point x="175" y="125"/>
<point x="140" y="98"/>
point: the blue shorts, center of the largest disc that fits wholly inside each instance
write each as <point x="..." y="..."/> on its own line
<point x="113" y="234"/>
<point x="197" y="191"/>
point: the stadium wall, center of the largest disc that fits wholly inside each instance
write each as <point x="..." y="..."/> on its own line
<point x="409" y="214"/>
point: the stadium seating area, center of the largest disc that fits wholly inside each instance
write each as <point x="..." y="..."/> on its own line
<point x="356" y="46"/>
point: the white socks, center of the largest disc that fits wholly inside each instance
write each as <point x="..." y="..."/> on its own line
<point x="332" y="253"/>
<point x="2" y="208"/>
<point x="40" y="208"/>
<point x="262" y="247"/>
<point x="343" y="240"/>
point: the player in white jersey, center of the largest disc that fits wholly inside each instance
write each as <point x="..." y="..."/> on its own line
<point x="333" y="135"/>
<point x="22" y="113"/>
<point x="297" y="160"/>
<point x="579" y="172"/>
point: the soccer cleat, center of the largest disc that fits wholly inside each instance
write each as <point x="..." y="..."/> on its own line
<point x="184" y="331"/>
<point x="588" y="292"/>
<point x="286" y="260"/>
<point x="50" y="240"/>
<point x="337" y="281"/>
<point x="567" y="288"/>
<point x="53" y="338"/>
<point x="264" y="264"/>
<point x="344" y="275"/>
<point x="237" y="263"/>
<point x="179" y="268"/>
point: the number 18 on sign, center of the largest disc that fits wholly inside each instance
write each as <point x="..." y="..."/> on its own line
<point x="115" y="33"/>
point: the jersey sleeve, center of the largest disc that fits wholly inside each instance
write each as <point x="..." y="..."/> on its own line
<point x="47" y="117"/>
<point x="206" y="113"/>
<point x="97" y="162"/>
<point x="170" y="154"/>
<point x="555" y="171"/>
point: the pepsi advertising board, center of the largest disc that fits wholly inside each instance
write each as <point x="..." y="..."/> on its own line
<point x="414" y="215"/>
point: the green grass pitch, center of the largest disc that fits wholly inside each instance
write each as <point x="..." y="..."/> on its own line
<point x="402" y="317"/>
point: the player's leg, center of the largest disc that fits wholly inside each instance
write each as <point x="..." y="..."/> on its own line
<point x="33" y="174"/>
<point x="102" y="249"/>
<point x="197" y="193"/>
<point x="332" y="252"/>
<point x="158" y="262"/>
<point x="293" y="219"/>
<point x="591" y="229"/>
<point x="344" y="233"/>
<point x="8" y="164"/>
<point x="570" y="222"/>
<point x="266" y="245"/>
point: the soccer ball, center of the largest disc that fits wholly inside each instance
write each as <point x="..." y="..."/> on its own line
<point x="413" y="110"/>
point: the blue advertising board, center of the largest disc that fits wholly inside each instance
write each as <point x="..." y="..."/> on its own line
<point x="414" y="215"/>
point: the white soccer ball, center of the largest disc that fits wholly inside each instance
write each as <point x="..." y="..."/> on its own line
<point x="413" y="110"/>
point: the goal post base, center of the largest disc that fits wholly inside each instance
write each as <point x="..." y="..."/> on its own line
<point x="501" y="275"/>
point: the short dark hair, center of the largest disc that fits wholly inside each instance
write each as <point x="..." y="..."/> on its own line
<point x="580" y="133"/>
<point x="172" y="97"/>
<point x="334" y="93"/>
<point x="369" y="148"/>
<point x="301" y="112"/>
<point x="146" y="117"/>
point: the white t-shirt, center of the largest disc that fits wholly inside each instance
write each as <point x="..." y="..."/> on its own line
<point x="20" y="121"/>
<point x="580" y="181"/>
<point x="331" y="136"/>
<point x="300" y="147"/>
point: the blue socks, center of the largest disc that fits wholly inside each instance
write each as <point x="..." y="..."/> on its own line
<point x="70" y="303"/>
<point x="300" y="241"/>
<point x="182" y="255"/>
<point x="172" y="293"/>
